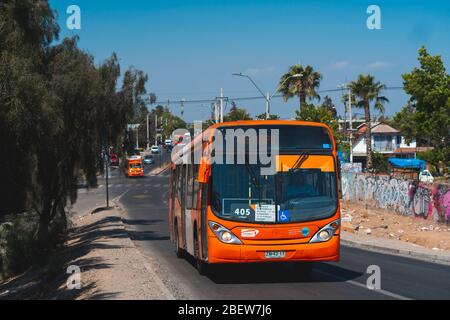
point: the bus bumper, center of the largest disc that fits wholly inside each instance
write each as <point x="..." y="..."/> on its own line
<point x="135" y="174"/>
<point x="219" y="252"/>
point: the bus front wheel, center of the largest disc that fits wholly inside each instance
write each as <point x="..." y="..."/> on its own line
<point x="200" y="265"/>
<point x="178" y="250"/>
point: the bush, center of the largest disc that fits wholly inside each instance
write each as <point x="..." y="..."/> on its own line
<point x="18" y="244"/>
<point x="379" y="163"/>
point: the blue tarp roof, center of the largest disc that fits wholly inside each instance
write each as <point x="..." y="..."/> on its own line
<point x="407" y="163"/>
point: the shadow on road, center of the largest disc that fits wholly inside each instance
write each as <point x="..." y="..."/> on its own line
<point x="148" y="235"/>
<point x="282" y="272"/>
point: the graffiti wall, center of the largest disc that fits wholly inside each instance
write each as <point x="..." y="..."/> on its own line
<point x="403" y="196"/>
<point x="351" y="167"/>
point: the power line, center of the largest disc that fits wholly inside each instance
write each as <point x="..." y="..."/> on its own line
<point x="197" y="101"/>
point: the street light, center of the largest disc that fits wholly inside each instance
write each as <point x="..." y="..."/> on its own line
<point x="267" y="96"/>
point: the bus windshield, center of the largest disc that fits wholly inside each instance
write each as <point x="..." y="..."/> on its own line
<point x="239" y="192"/>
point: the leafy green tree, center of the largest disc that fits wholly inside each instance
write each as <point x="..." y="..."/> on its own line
<point x="329" y="105"/>
<point x="303" y="87"/>
<point x="320" y="114"/>
<point x="379" y="162"/>
<point x="236" y="114"/>
<point x="426" y="117"/>
<point x="366" y="90"/>
<point x="262" y="116"/>
<point x="26" y="29"/>
<point x="58" y="110"/>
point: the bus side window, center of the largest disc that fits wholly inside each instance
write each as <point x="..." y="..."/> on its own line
<point x="174" y="184"/>
<point x="189" y="186"/>
<point x="339" y="178"/>
<point x="179" y="182"/>
<point x="196" y="188"/>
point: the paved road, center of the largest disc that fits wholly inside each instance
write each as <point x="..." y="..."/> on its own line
<point x="146" y="201"/>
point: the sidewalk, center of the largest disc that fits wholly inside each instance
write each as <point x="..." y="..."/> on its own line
<point x="111" y="265"/>
<point x="394" y="247"/>
<point x="159" y="170"/>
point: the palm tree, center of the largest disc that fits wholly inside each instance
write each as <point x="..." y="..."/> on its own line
<point x="366" y="90"/>
<point x="302" y="86"/>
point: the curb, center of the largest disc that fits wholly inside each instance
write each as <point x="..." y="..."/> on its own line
<point x="158" y="171"/>
<point x="428" y="257"/>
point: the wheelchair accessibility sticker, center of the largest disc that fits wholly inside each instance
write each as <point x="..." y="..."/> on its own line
<point x="283" y="215"/>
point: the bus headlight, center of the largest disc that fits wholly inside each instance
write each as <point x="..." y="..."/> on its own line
<point x="226" y="236"/>
<point x="326" y="233"/>
<point x="223" y="234"/>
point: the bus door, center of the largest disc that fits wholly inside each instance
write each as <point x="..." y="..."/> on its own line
<point x="183" y="203"/>
<point x="203" y="206"/>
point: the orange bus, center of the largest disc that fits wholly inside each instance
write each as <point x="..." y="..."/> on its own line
<point x="134" y="167"/>
<point x="233" y="213"/>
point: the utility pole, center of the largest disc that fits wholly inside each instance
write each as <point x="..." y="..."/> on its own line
<point x="267" y="105"/>
<point x="182" y="108"/>
<point x="106" y="162"/>
<point x="221" y="104"/>
<point x="148" y="133"/>
<point x="137" y="136"/>
<point x="156" y="129"/>
<point x="216" y="112"/>
<point x="350" y="123"/>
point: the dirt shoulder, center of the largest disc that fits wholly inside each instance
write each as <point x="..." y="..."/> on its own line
<point x="110" y="265"/>
<point x="370" y="223"/>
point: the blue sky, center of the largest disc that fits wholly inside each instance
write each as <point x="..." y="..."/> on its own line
<point x="189" y="49"/>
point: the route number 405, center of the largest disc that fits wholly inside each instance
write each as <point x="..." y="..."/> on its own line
<point x="242" y="212"/>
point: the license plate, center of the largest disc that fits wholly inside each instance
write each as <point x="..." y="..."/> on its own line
<point x="274" y="254"/>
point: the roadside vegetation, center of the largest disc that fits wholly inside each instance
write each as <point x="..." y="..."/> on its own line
<point x="58" y="111"/>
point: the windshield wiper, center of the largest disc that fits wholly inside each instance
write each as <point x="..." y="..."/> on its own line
<point x="254" y="180"/>
<point x="252" y="175"/>
<point x="301" y="159"/>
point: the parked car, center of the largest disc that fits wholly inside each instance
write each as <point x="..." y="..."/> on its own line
<point x="425" y="176"/>
<point x="149" y="159"/>
<point x="154" y="149"/>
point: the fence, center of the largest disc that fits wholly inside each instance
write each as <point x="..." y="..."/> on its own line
<point x="406" y="197"/>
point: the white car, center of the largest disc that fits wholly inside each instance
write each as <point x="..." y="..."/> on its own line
<point x="154" y="149"/>
<point x="168" y="142"/>
<point x="425" y="176"/>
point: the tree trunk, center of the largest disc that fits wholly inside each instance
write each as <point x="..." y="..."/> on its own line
<point x="44" y="221"/>
<point x="302" y="101"/>
<point x="368" y="135"/>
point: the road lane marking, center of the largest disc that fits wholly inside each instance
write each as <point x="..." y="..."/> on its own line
<point x="356" y="283"/>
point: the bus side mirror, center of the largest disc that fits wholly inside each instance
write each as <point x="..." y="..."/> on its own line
<point x="204" y="172"/>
